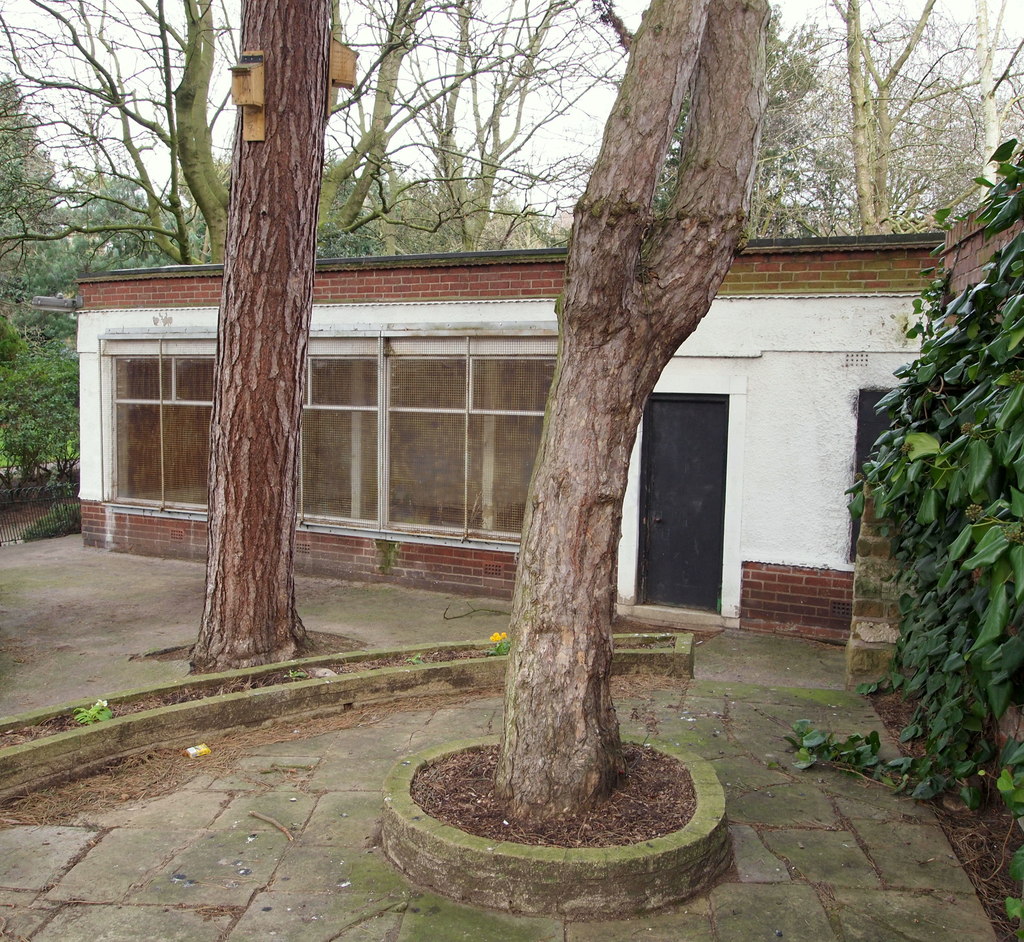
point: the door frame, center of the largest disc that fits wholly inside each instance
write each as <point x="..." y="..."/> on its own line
<point x="678" y="378"/>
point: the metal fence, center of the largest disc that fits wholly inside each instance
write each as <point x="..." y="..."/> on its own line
<point x="39" y="512"/>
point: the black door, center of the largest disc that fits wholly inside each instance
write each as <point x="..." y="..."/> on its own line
<point x="683" y="500"/>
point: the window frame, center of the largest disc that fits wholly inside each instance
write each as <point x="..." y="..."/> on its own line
<point x="469" y="345"/>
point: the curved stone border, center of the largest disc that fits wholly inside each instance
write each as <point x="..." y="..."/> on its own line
<point x="79" y="752"/>
<point x="574" y="882"/>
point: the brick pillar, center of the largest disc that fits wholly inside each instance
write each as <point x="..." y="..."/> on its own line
<point x="874" y="626"/>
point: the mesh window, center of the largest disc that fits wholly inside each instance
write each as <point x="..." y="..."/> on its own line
<point x="502" y="449"/>
<point x="186" y="453"/>
<point x="464" y="419"/>
<point x="339" y="463"/>
<point x="427" y="462"/>
<point x="193" y="379"/>
<point x="137" y="428"/>
<point x="139" y="378"/>
<point x="162" y="447"/>
<point x="436" y="383"/>
<point x="519" y="385"/>
<point x="344" y="382"/>
<point x="339" y="439"/>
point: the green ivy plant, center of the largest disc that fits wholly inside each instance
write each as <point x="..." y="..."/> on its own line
<point x="949" y="474"/>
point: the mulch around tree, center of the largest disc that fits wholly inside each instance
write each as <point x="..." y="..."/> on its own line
<point x="655" y="799"/>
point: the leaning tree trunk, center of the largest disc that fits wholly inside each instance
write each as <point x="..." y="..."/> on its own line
<point x="637" y="284"/>
<point x="249" y="616"/>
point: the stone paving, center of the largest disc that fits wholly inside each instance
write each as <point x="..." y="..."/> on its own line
<point x="819" y="856"/>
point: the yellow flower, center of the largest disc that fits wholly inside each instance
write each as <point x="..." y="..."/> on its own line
<point x="499" y="636"/>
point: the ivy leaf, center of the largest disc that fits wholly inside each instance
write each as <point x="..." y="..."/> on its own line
<point x="996" y="615"/>
<point x="979" y="465"/>
<point x="999" y="697"/>
<point x="1004" y="151"/>
<point x="1017" y="562"/>
<point x="992" y="545"/>
<point x="959" y="546"/>
<point x="921" y="444"/>
<point x="1017" y="864"/>
<point x="928" y="512"/>
<point x="1012" y="407"/>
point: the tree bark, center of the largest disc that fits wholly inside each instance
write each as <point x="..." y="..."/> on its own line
<point x="249" y="615"/>
<point x="637" y="284"/>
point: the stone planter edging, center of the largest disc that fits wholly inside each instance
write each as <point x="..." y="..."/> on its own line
<point x="579" y="883"/>
<point x="79" y="752"/>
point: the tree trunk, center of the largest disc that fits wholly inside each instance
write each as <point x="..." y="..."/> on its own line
<point x="249" y="616"/>
<point x="636" y="286"/>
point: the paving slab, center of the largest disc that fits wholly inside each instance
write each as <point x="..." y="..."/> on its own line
<point x="430" y="918"/>
<point x="832" y="857"/>
<point x="300" y="917"/>
<point x="916" y="856"/>
<point x="693" y="924"/>
<point x="221" y="868"/>
<point x="354" y="773"/>
<point x="131" y="923"/>
<point x="22" y="913"/>
<point x="289" y="808"/>
<point x="122" y="860"/>
<point x="345" y="818"/>
<point x="260" y="772"/>
<point x="871" y="916"/>
<point x="754" y="862"/>
<point x="176" y="811"/>
<point x="780" y="806"/>
<point x="361" y="876"/>
<point x="770" y="660"/>
<point x="740" y="773"/>
<point x="36" y="857"/>
<point x="766" y="912"/>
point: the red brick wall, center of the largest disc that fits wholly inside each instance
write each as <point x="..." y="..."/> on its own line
<point x="793" y="270"/>
<point x="769" y="269"/>
<point x="810" y="603"/>
<point x="966" y="251"/>
<point x="427" y="566"/>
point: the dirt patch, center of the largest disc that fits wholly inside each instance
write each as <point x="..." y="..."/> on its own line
<point x="983" y="840"/>
<point x="656" y="798"/>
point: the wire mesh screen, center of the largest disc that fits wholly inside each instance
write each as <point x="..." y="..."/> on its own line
<point x="339" y="439"/>
<point x="453" y="431"/>
<point x="162" y="442"/>
<point x="463" y="435"/>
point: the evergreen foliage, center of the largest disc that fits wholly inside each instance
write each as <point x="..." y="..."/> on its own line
<point x="950" y="475"/>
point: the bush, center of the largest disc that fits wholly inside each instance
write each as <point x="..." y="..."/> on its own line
<point x="59" y="520"/>
<point x="39" y="412"/>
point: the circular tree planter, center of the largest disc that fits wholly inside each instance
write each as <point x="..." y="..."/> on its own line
<point x="575" y="882"/>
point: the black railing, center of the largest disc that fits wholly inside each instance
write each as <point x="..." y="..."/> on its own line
<point x="39" y="511"/>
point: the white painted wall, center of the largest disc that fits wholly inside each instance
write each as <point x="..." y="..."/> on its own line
<point x="791" y="367"/>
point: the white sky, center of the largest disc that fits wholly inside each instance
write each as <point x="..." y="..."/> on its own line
<point x="795" y="12"/>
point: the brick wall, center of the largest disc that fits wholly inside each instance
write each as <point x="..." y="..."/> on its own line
<point x="789" y="267"/>
<point x="427" y="566"/>
<point x="794" y="600"/>
<point x="966" y="251"/>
